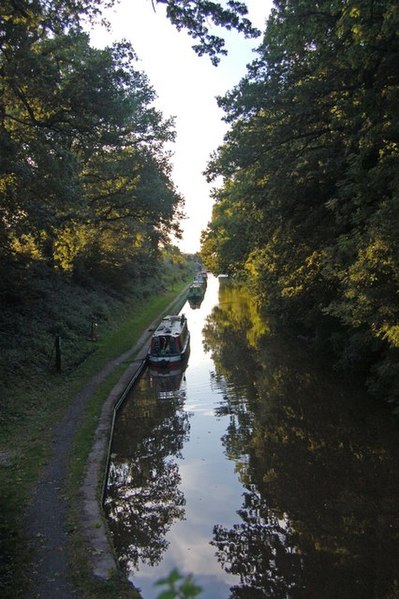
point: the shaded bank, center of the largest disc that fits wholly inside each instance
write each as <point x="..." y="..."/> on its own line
<point x="34" y="428"/>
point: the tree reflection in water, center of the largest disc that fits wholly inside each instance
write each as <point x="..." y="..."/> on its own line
<point x="143" y="497"/>
<point x="318" y="461"/>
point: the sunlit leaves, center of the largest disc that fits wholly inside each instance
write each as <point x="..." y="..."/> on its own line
<point x="84" y="174"/>
<point x="312" y="145"/>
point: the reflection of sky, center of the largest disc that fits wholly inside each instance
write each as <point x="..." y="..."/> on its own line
<point x="210" y="486"/>
<point x="199" y="361"/>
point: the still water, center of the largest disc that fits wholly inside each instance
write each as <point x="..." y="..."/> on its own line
<point x="255" y="469"/>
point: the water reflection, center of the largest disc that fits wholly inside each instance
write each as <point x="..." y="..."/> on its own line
<point x="143" y="495"/>
<point x="169" y="381"/>
<point x="195" y="304"/>
<point x="318" y="461"/>
<point x="255" y="469"/>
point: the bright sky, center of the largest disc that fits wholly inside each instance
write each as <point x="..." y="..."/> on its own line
<point x="187" y="86"/>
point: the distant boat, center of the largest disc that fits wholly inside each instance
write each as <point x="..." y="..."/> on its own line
<point x="200" y="279"/>
<point x="170" y="340"/>
<point x="196" y="292"/>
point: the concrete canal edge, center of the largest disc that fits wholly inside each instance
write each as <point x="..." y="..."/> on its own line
<point x="100" y="552"/>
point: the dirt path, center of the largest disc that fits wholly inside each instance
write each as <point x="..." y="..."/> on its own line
<point x="47" y="517"/>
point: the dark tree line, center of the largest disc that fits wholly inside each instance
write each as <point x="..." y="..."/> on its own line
<point x="309" y="208"/>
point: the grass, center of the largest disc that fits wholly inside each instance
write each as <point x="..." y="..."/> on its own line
<point x="34" y="407"/>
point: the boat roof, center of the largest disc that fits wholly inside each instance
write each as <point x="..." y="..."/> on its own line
<point x="170" y="325"/>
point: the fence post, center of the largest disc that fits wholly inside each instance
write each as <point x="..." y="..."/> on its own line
<point x="58" y="353"/>
<point x="93" y="329"/>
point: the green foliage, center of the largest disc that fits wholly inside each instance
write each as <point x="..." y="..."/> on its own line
<point x="85" y="176"/>
<point x="178" y="587"/>
<point x="198" y="16"/>
<point x="312" y="155"/>
<point x="85" y="182"/>
<point x="54" y="304"/>
<point x="225" y="242"/>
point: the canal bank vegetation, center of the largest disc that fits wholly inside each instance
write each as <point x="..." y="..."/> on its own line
<point x="35" y="395"/>
<point x="87" y="200"/>
<point x="309" y="210"/>
<point x="88" y="206"/>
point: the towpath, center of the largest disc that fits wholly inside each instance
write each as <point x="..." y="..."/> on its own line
<point x="47" y="528"/>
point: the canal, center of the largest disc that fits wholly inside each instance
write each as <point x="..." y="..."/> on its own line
<point x="254" y="468"/>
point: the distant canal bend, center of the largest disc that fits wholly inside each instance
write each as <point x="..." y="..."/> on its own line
<point x="255" y="470"/>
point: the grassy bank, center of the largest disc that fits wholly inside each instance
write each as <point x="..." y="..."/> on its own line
<point x="37" y="398"/>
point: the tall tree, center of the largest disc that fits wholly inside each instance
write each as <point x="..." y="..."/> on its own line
<point x="313" y="145"/>
<point x="81" y="135"/>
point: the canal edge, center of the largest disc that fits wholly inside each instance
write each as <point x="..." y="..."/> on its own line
<point x="100" y="553"/>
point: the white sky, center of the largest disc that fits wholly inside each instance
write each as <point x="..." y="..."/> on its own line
<point x="187" y="86"/>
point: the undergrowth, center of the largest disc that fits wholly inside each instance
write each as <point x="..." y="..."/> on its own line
<point x="35" y="395"/>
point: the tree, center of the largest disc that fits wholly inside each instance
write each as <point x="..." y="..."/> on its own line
<point x="84" y="143"/>
<point x="196" y="16"/>
<point x="312" y="145"/>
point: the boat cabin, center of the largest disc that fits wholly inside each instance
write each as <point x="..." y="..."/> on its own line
<point x="170" y="340"/>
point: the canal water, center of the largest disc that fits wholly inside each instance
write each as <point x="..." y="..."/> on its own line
<point x="255" y="469"/>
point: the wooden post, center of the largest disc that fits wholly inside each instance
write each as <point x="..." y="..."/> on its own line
<point x="58" y="353"/>
<point x="93" y="329"/>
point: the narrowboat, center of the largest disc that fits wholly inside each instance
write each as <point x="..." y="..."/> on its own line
<point x="199" y="279"/>
<point x="170" y="340"/>
<point x="195" y="292"/>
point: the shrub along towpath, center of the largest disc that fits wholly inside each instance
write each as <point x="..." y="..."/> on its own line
<point x="49" y="529"/>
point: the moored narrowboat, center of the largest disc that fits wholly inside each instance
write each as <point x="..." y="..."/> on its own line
<point x="196" y="292"/>
<point x="170" y="341"/>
